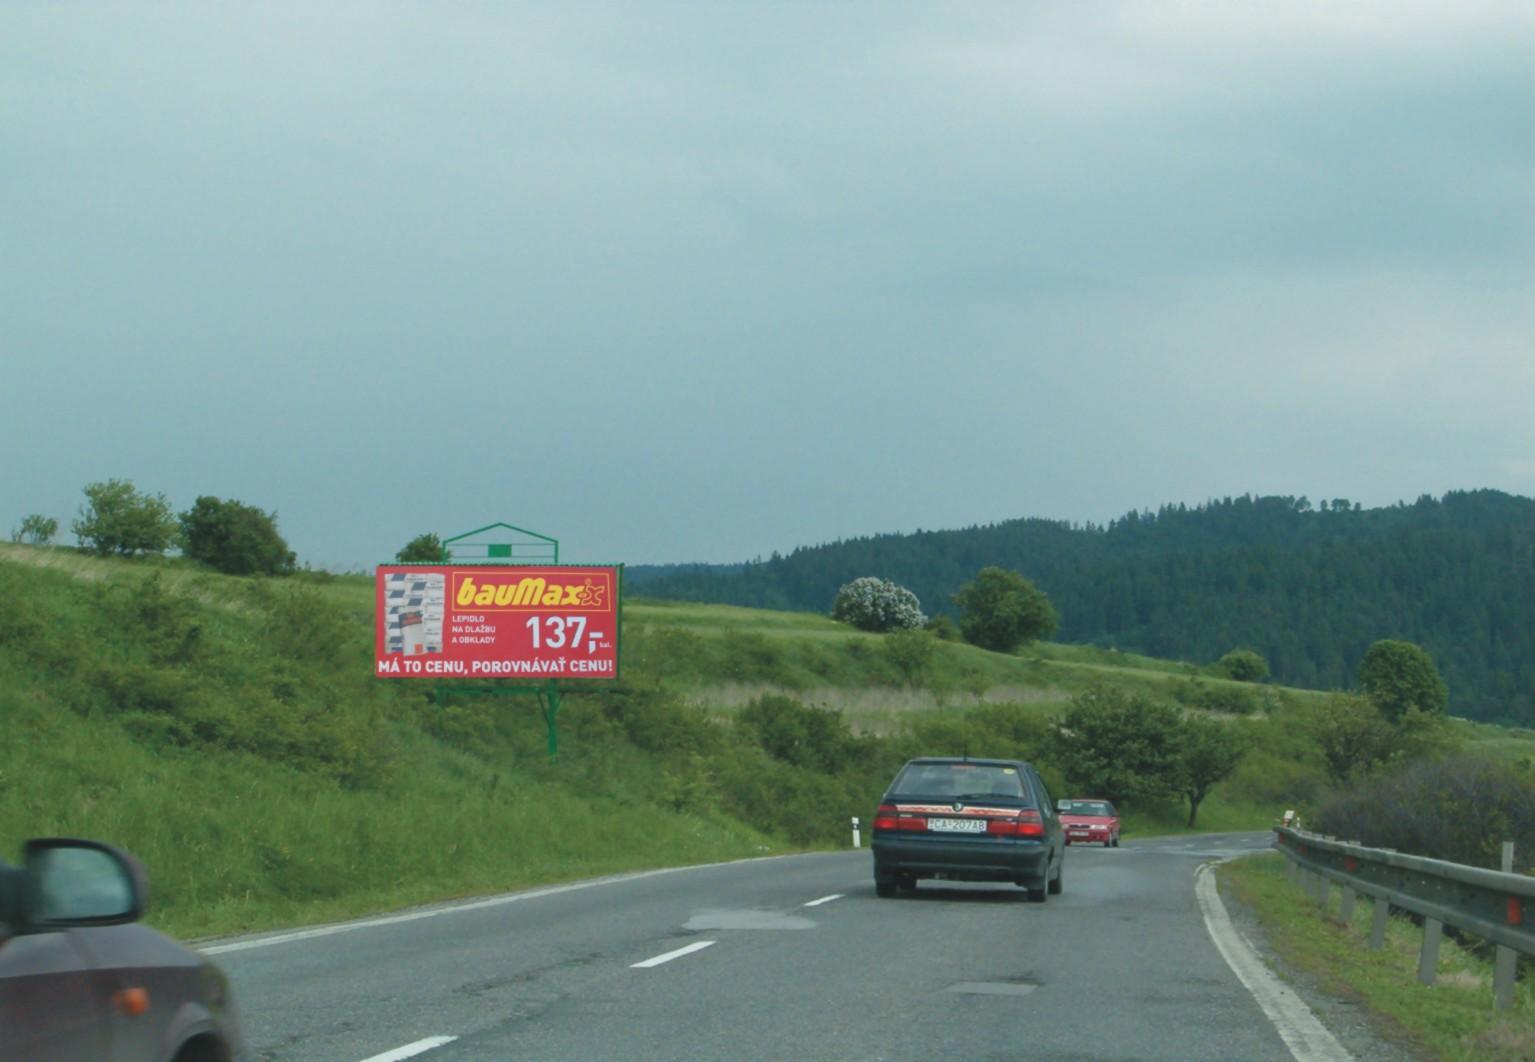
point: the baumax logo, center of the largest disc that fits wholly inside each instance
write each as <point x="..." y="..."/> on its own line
<point x="529" y="592"/>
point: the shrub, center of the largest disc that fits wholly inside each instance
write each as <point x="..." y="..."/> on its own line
<point x="909" y="652"/>
<point x="235" y="538"/>
<point x="304" y="625"/>
<point x="1119" y="745"/>
<point x="423" y="549"/>
<point x="1399" y="676"/>
<point x="943" y="628"/>
<point x="1461" y="808"/>
<point x="1001" y="610"/>
<point x="1244" y="665"/>
<point x="873" y="604"/>
<point x="35" y="529"/>
<point x="116" y="518"/>
<point x="1231" y="700"/>
<point x="1351" y="734"/>
<point x="814" y="738"/>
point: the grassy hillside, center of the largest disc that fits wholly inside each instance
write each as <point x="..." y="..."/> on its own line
<point x="230" y="732"/>
<point x="1309" y="588"/>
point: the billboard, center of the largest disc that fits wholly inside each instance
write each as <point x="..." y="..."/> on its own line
<point x="547" y="621"/>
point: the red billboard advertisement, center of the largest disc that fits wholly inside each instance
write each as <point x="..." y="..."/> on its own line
<point x="540" y="622"/>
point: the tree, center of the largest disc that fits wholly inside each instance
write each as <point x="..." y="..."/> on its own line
<point x="1399" y="676"/>
<point x="1118" y="745"/>
<point x="873" y="604"/>
<point x="1351" y="734"/>
<point x="1208" y="752"/>
<point x="425" y="548"/>
<point x="1243" y="665"/>
<point x="36" y="529"/>
<point x="235" y="538"/>
<point x="118" y="519"/>
<point x="1001" y="610"/>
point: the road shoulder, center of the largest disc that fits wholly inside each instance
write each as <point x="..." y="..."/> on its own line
<point x="1366" y="1035"/>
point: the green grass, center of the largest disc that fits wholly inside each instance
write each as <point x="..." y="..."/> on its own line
<point x="1454" y="1019"/>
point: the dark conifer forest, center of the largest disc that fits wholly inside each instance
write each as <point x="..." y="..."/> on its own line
<point x="1309" y="586"/>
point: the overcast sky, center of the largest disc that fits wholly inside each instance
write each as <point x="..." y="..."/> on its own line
<point x="697" y="282"/>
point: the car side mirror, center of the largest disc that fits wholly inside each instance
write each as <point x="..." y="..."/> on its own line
<point x="79" y="883"/>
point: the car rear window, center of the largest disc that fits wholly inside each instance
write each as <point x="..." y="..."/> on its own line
<point x="958" y="780"/>
<point x="1086" y="807"/>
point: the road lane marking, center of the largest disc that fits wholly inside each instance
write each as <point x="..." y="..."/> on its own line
<point x="412" y="1050"/>
<point x="1305" y="1036"/>
<point x="698" y="945"/>
<point x="474" y="905"/>
<point x="824" y="899"/>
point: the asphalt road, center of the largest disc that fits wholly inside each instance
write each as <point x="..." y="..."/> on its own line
<point x="791" y="958"/>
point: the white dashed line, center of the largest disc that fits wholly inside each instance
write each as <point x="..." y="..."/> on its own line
<point x="669" y="956"/>
<point x="412" y="1050"/>
<point x="473" y="905"/>
<point x="824" y="899"/>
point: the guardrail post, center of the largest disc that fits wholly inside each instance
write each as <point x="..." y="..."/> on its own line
<point x="1346" y="908"/>
<point x="1505" y="965"/>
<point x="1378" y="923"/>
<point x="1289" y="869"/>
<point x="1323" y="890"/>
<point x="1428" y="958"/>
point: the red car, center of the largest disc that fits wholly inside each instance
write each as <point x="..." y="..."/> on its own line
<point x="1090" y="820"/>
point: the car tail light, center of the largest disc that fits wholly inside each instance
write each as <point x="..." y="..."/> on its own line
<point x="1029" y="823"/>
<point x="889" y="817"/>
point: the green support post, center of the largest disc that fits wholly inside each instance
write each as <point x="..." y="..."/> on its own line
<point x="549" y="699"/>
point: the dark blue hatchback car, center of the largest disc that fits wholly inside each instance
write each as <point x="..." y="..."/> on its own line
<point x="968" y="820"/>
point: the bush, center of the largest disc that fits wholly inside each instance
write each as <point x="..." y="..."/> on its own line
<point x="35" y="529"/>
<point x="1230" y="700"/>
<point x="1001" y="610"/>
<point x="872" y="604"/>
<point x="815" y="738"/>
<point x="1244" y="665"/>
<point x="116" y="518"/>
<point x="1399" y="676"/>
<point x="909" y="652"/>
<point x="1460" y="808"/>
<point x="423" y="549"/>
<point x="943" y="628"/>
<point x="235" y="538"/>
<point x="1118" y="745"/>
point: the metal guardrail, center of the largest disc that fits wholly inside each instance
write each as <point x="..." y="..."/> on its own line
<point x="1496" y="906"/>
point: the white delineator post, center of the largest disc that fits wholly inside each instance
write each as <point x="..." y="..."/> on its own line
<point x="856" y="841"/>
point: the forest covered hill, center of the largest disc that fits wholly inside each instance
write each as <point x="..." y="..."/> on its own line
<point x="1308" y="586"/>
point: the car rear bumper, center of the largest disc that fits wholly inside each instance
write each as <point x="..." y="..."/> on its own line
<point x="962" y="860"/>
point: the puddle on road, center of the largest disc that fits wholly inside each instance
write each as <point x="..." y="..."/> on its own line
<point x="726" y="919"/>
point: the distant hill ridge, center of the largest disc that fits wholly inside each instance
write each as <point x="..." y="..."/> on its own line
<point x="1308" y="586"/>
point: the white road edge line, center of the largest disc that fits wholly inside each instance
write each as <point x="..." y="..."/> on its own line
<point x="824" y="899"/>
<point x="699" y="945"/>
<point x="412" y="1050"/>
<point x="473" y="905"/>
<point x="1305" y="1036"/>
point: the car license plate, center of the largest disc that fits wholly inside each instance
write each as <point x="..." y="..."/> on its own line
<point x="957" y="825"/>
<point x="1079" y="833"/>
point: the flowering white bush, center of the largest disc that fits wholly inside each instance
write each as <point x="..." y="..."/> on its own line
<point x="873" y="604"/>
